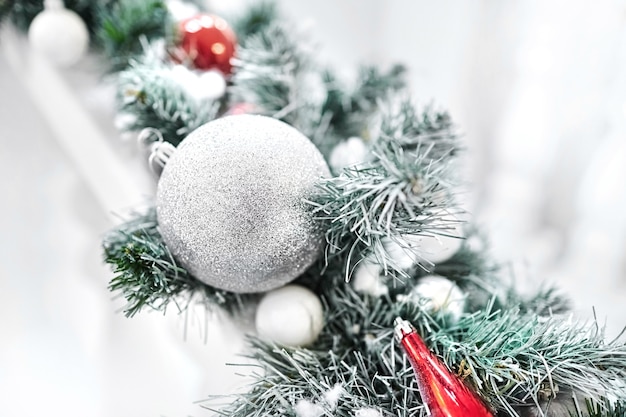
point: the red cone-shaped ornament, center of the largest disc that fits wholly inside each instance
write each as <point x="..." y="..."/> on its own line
<point x="443" y="393"/>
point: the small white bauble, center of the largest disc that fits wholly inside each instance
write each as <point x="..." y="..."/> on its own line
<point x="350" y="152"/>
<point x="207" y="85"/>
<point x="402" y="251"/>
<point x="439" y="294"/>
<point x="367" y="278"/>
<point x="59" y="34"/>
<point x="211" y="85"/>
<point x="291" y="315"/>
<point x="184" y="77"/>
<point x="181" y="10"/>
<point x="408" y="250"/>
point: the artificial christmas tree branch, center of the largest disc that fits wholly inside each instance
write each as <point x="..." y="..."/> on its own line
<point x="518" y="352"/>
<point x="150" y="98"/>
<point x="401" y="192"/>
<point x="123" y="24"/>
<point x="147" y="275"/>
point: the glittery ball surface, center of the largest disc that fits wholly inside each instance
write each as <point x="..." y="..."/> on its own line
<point x="230" y="203"/>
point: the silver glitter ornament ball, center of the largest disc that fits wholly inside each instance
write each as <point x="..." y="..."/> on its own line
<point x="230" y="203"/>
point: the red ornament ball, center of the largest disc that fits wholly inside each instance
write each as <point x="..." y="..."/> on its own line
<point x="207" y="41"/>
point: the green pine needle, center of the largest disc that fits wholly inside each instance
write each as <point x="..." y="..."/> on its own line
<point x="603" y="408"/>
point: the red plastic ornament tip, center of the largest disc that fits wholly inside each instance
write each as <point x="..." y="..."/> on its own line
<point x="443" y="393"/>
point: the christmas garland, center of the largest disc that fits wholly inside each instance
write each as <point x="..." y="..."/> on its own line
<point x="249" y="214"/>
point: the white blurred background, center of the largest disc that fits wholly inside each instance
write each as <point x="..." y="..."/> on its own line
<point x="537" y="87"/>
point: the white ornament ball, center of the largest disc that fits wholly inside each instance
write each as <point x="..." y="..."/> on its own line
<point x="59" y="34"/>
<point x="181" y="10"/>
<point x="439" y="294"/>
<point x="206" y="85"/>
<point x="368" y="279"/>
<point x="211" y="85"/>
<point x="230" y="203"/>
<point x="184" y="77"/>
<point x="350" y="152"/>
<point x="408" y="250"/>
<point x="291" y="315"/>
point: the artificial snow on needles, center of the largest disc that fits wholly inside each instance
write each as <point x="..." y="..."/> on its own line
<point x="367" y="412"/>
<point x="305" y="408"/>
<point x="333" y="395"/>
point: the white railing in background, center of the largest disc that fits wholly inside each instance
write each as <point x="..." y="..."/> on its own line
<point x="117" y="180"/>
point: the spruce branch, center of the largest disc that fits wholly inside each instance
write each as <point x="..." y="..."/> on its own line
<point x="256" y="18"/>
<point x="404" y="191"/>
<point x="149" y="93"/>
<point x="402" y="123"/>
<point x="123" y="24"/>
<point x="512" y="357"/>
<point x="515" y="357"/>
<point x="266" y="73"/>
<point x="548" y="300"/>
<point x="147" y="274"/>
<point x="350" y="111"/>
<point x="275" y="75"/>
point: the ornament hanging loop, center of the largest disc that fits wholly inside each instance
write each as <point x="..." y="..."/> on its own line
<point x="160" y="151"/>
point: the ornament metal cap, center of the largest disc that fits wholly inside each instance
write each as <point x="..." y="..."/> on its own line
<point x="53" y="4"/>
<point x="402" y="328"/>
